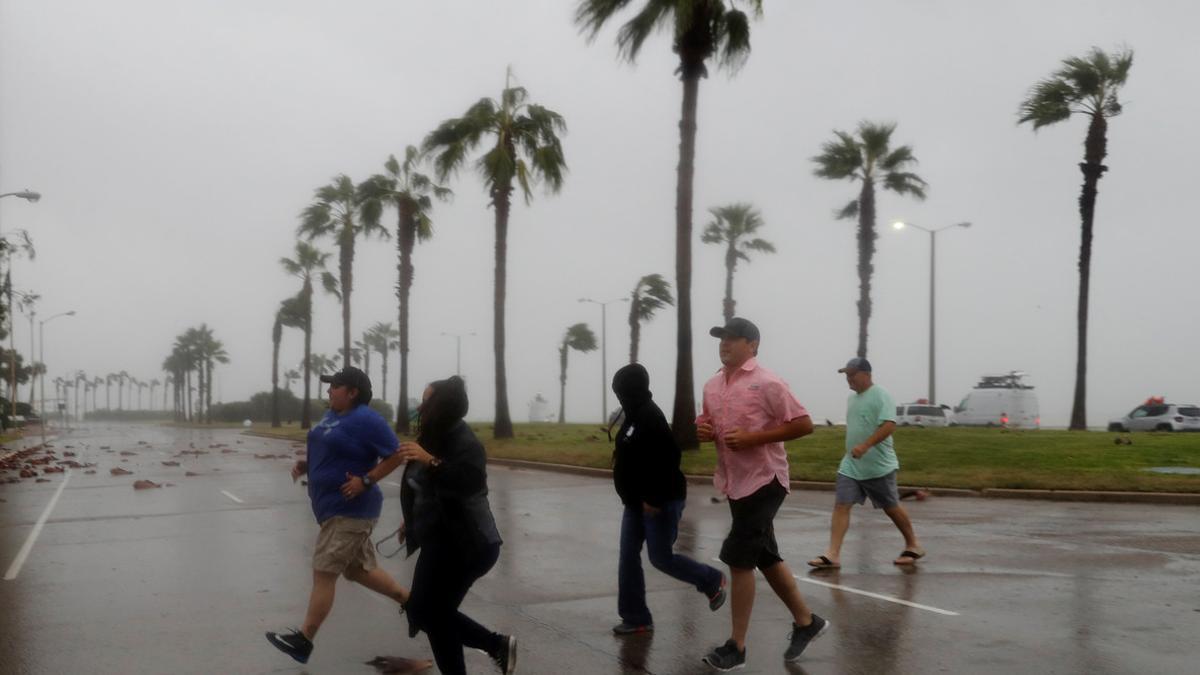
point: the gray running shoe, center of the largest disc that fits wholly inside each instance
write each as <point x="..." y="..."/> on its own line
<point x="802" y="635"/>
<point x="726" y="657"/>
<point x="626" y="628"/>
<point x="717" y="599"/>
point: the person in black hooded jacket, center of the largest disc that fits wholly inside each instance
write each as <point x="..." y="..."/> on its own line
<point x="652" y="488"/>
<point x="443" y="497"/>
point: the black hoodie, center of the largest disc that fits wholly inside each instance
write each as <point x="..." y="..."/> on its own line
<point x="646" y="459"/>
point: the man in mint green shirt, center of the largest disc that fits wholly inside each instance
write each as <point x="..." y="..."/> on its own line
<point x="868" y="470"/>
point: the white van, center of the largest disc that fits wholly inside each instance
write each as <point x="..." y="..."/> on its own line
<point x="921" y="414"/>
<point x="1000" y="401"/>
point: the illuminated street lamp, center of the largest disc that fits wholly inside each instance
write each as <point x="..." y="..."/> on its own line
<point x="900" y="225"/>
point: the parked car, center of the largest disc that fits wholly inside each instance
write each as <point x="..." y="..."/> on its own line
<point x="1000" y="401"/>
<point x="1159" y="417"/>
<point x="922" y="414"/>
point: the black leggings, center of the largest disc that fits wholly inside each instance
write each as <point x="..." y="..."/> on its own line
<point x="440" y="582"/>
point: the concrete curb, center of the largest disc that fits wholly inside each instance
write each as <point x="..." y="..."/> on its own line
<point x="1175" y="498"/>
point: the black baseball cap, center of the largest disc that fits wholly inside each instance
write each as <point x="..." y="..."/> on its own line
<point x="354" y="378"/>
<point x="857" y="363"/>
<point x="736" y="327"/>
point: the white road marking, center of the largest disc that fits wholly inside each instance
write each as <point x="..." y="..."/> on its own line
<point x="15" y="568"/>
<point x="869" y="594"/>
<point x="231" y="496"/>
<point x="877" y="596"/>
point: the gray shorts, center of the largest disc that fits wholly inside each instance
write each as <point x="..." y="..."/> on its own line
<point x="882" y="491"/>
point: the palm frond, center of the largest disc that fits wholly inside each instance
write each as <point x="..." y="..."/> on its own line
<point x="847" y="212"/>
<point x="839" y="159"/>
<point x="875" y="137"/>
<point x="905" y="183"/>
<point x="759" y="245"/>
<point x="654" y="16"/>
<point x="330" y="283"/>
<point x="580" y="338"/>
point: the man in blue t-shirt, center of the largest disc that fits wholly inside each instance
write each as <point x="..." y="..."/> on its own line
<point x="349" y="451"/>
<point x="868" y="470"/>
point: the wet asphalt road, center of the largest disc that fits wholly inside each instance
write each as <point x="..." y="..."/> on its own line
<point x="185" y="579"/>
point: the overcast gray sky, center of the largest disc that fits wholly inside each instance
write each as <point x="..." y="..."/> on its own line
<point x="175" y="144"/>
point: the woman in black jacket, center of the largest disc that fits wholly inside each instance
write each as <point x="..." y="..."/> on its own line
<point x="447" y="516"/>
<point x="652" y="488"/>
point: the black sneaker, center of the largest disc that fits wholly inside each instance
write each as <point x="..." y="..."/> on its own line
<point x="717" y="599"/>
<point x="802" y="635"/>
<point x="626" y="628"/>
<point x="294" y="644"/>
<point x="726" y="657"/>
<point x="506" y="658"/>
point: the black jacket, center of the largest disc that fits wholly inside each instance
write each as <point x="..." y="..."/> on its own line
<point x="646" y="459"/>
<point x="449" y="502"/>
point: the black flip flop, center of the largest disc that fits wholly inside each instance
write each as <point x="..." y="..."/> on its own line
<point x="909" y="554"/>
<point x="825" y="564"/>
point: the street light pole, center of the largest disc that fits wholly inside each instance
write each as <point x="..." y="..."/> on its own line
<point x="42" y="359"/>
<point x="458" y="349"/>
<point x="604" y="352"/>
<point x="900" y="225"/>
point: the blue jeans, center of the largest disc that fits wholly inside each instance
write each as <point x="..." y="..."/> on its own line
<point x="659" y="533"/>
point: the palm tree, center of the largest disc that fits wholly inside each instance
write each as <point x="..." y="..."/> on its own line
<point x="168" y="381"/>
<point x="732" y="226"/>
<point x="524" y="148"/>
<point x="290" y="376"/>
<point x="651" y="294"/>
<point x="291" y="314"/>
<point x="409" y="192"/>
<point x="334" y="214"/>
<point x="122" y="377"/>
<point x="362" y="351"/>
<point x="153" y="385"/>
<point x="580" y="338"/>
<point x="701" y="29"/>
<point x="869" y="159"/>
<point x="383" y="339"/>
<point x="322" y="364"/>
<point x="80" y="376"/>
<point x="209" y="351"/>
<point x="1084" y="86"/>
<point x="108" y="381"/>
<point x="308" y="263"/>
<point x="36" y="370"/>
<point x="141" y="387"/>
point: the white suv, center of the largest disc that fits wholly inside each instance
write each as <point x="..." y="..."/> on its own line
<point x="1159" y="417"/>
<point x="922" y="415"/>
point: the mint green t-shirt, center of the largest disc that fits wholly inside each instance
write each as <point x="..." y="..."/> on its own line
<point x="864" y="413"/>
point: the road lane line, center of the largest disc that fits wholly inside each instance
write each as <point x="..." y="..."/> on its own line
<point x="869" y="594"/>
<point x="231" y="496"/>
<point x="877" y="596"/>
<point x="15" y="568"/>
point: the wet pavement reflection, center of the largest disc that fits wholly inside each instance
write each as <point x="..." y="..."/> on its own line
<point x="185" y="577"/>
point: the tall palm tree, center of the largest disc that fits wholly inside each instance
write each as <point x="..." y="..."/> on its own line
<point x="108" y="381"/>
<point x="869" y="159"/>
<point x="153" y="385"/>
<point x="409" y="192"/>
<point x="523" y="147"/>
<point x="290" y="376"/>
<point x="210" y="351"/>
<point x="732" y="227"/>
<point x="335" y="213"/>
<point x="168" y="381"/>
<point x="80" y="377"/>
<point x="362" y="350"/>
<point x="384" y="339"/>
<point x="122" y="377"/>
<point x="651" y="294"/>
<point x="322" y="364"/>
<point x="701" y="29"/>
<point x="290" y="313"/>
<point x="1082" y="86"/>
<point x="308" y="264"/>
<point x="141" y="388"/>
<point x="580" y="338"/>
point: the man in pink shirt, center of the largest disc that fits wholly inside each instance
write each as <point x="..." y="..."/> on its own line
<point x="749" y="412"/>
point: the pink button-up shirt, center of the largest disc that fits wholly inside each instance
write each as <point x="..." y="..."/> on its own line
<point x="752" y="399"/>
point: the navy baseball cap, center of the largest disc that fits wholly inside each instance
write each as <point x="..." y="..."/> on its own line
<point x="857" y="363"/>
<point x="736" y="327"/>
<point x="354" y="378"/>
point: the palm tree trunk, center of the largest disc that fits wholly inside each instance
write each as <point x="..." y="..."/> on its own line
<point x="501" y="197"/>
<point x="1095" y="150"/>
<point x="405" y="239"/>
<point x="683" y="417"/>
<point x="305" y="413"/>
<point x="346" y="269"/>
<point x="730" y="266"/>
<point x="108" y="395"/>
<point x="866" y="253"/>
<point x="208" y="379"/>
<point x="635" y="328"/>
<point x="383" y="386"/>
<point x="120" y="394"/>
<point x="277" y="337"/>
<point x="562" y="384"/>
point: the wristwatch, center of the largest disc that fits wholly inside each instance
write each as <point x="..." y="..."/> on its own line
<point x="366" y="481"/>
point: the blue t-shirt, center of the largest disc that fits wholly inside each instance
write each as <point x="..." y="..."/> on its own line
<point x="353" y="443"/>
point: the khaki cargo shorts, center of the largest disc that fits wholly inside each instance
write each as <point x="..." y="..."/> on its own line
<point x="345" y="544"/>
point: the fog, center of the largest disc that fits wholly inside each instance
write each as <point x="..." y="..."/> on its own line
<point x="176" y="143"/>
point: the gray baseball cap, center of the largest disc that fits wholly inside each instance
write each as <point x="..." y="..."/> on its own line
<point x="857" y="363"/>
<point x="736" y="327"/>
